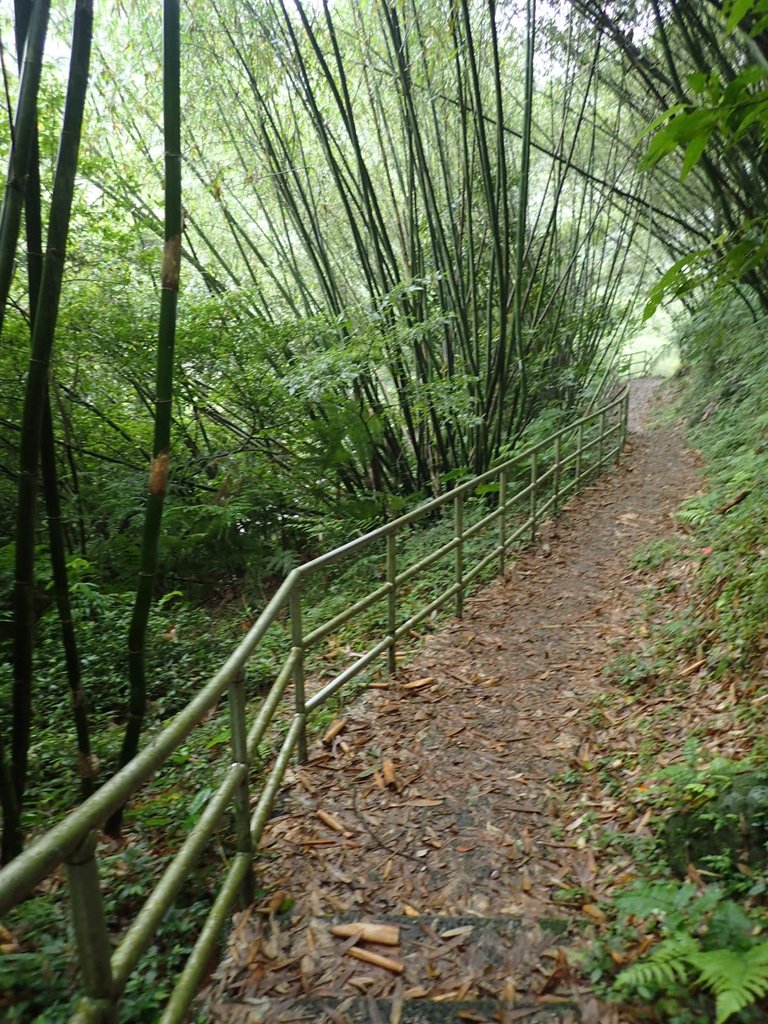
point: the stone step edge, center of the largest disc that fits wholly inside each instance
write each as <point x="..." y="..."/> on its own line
<point x="429" y="1011"/>
<point x="556" y="926"/>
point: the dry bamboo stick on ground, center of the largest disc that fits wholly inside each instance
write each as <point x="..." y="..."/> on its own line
<point x="395" y="966"/>
<point x="383" y="934"/>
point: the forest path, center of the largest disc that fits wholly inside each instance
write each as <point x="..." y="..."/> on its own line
<point x="441" y="807"/>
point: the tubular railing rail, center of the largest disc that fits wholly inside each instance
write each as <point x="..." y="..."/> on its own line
<point x="553" y="468"/>
<point x="606" y="381"/>
<point x="637" y="365"/>
<point x="618" y="368"/>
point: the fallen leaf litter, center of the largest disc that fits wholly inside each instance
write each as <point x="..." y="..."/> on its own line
<point x="445" y="800"/>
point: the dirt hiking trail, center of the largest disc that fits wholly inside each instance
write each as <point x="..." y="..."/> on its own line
<point x="440" y="808"/>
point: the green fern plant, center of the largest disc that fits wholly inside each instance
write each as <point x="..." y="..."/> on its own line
<point x="667" y="965"/>
<point x="707" y="943"/>
<point x="679" y="908"/>
<point x="696" y="512"/>
<point x="736" y="979"/>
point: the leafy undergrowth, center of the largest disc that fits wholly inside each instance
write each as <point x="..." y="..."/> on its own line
<point x="679" y="738"/>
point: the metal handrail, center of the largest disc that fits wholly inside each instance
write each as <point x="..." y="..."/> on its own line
<point x="595" y="439"/>
<point x="637" y="365"/>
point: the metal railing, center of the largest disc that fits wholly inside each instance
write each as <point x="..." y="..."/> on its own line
<point x="552" y="469"/>
<point x="637" y="365"/>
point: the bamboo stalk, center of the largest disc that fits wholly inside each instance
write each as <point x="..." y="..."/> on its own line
<point x="161" y="444"/>
<point x="24" y="143"/>
<point x="86" y="765"/>
<point x="32" y="416"/>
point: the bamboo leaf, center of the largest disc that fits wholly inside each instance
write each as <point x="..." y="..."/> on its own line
<point x="661" y="120"/>
<point x="693" y="154"/>
<point x="737" y="11"/>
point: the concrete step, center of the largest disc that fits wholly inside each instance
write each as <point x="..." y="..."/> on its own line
<point x="421" y="1011"/>
<point x="462" y="969"/>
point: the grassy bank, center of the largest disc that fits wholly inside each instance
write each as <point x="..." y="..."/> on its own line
<point x="686" y="937"/>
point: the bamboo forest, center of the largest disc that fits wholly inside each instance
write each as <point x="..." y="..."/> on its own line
<point x="383" y="504"/>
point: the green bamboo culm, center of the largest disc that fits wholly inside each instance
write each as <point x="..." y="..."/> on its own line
<point x="43" y="333"/>
<point x="24" y="135"/>
<point x="522" y="214"/>
<point x="158" y="474"/>
<point x="22" y="17"/>
<point x="86" y="763"/>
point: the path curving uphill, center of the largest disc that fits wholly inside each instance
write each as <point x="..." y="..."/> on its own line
<point x="439" y="809"/>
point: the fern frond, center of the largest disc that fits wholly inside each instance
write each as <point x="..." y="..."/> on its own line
<point x="658" y="898"/>
<point x="695" y="512"/>
<point x="737" y="979"/>
<point x="666" y="966"/>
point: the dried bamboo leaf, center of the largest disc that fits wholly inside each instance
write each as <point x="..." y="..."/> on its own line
<point x="388" y="772"/>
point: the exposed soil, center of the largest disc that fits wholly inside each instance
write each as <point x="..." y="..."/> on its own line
<point x="443" y="795"/>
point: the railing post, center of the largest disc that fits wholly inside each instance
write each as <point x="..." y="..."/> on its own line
<point x="579" y="446"/>
<point x="242" y="804"/>
<point x="602" y="442"/>
<point x="392" y="599"/>
<point x="297" y="640"/>
<point x="534" y="486"/>
<point x="91" y="935"/>
<point x="556" y="477"/>
<point x="624" y="418"/>
<point x="502" y="519"/>
<point x="458" y="533"/>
